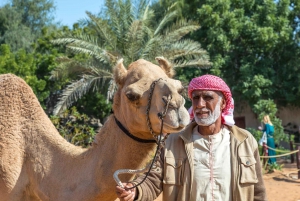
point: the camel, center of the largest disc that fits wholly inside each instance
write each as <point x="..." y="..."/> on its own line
<point x="37" y="164"/>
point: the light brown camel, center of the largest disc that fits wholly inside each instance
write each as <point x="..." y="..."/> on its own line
<point x="36" y="163"/>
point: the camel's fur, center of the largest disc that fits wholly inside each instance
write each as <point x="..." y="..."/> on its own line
<point x="36" y="163"/>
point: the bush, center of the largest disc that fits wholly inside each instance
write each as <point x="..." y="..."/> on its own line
<point x="274" y="166"/>
<point x="76" y="128"/>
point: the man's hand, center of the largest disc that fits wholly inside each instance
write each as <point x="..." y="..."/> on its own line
<point x="126" y="195"/>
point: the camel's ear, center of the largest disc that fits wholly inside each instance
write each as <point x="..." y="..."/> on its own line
<point x="166" y="66"/>
<point x="120" y="72"/>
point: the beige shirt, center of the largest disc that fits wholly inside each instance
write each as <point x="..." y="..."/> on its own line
<point x="212" y="168"/>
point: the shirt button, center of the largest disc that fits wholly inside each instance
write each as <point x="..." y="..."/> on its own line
<point x="247" y="162"/>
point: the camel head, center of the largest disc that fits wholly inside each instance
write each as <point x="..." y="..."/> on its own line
<point x="132" y="98"/>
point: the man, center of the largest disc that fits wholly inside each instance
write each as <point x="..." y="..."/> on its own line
<point x="211" y="160"/>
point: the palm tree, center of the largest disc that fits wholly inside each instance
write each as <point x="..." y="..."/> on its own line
<point x="126" y="31"/>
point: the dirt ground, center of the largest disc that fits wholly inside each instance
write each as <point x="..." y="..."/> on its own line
<point x="281" y="185"/>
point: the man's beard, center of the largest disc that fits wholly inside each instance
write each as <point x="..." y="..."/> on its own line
<point x="212" y="116"/>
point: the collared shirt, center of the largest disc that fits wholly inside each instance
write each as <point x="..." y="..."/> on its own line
<point x="212" y="168"/>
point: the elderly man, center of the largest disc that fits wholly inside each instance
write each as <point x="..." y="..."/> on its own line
<point x="211" y="160"/>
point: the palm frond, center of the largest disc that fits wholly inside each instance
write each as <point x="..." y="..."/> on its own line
<point x="201" y="63"/>
<point x="71" y="94"/>
<point x="84" y="43"/>
<point x="180" y="29"/>
<point x="152" y="48"/>
<point x="104" y="30"/>
<point x="167" y="18"/>
<point x="140" y="7"/>
<point x="147" y="16"/>
<point x="112" y="11"/>
<point x="187" y="48"/>
<point x="136" y="38"/>
<point x="102" y="73"/>
<point x="126" y="14"/>
<point x="75" y="91"/>
<point x="66" y="38"/>
<point x="99" y="54"/>
<point x="67" y="68"/>
<point x="111" y="90"/>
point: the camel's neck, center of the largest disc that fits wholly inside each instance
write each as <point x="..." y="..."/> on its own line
<point x="113" y="140"/>
<point x="92" y="170"/>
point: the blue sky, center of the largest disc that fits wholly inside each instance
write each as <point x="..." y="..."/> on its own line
<point x="70" y="11"/>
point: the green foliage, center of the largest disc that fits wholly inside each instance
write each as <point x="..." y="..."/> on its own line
<point x="24" y="66"/>
<point x="265" y="107"/>
<point x="35" y="13"/>
<point x="257" y="134"/>
<point x="13" y="32"/>
<point x="75" y="127"/>
<point x="125" y="30"/>
<point x="253" y="45"/>
<point x="256" y="87"/>
<point x="94" y="104"/>
<point x="274" y="166"/>
<point x="21" y="22"/>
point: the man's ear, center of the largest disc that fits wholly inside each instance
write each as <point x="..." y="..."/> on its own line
<point x="223" y="104"/>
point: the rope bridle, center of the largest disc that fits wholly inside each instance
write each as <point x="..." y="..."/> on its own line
<point x="160" y="141"/>
<point x="161" y="115"/>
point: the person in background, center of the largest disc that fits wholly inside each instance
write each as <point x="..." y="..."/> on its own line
<point x="211" y="159"/>
<point x="269" y="129"/>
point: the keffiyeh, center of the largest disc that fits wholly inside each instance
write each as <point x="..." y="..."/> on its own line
<point x="214" y="83"/>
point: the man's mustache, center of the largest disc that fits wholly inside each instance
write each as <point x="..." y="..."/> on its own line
<point x="201" y="110"/>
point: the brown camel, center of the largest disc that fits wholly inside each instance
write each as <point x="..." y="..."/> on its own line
<point x="36" y="163"/>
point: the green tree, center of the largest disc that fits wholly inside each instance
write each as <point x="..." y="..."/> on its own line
<point x="36" y="14"/>
<point x="12" y="31"/>
<point x="21" y="22"/>
<point x="94" y="105"/>
<point x="23" y="65"/>
<point x="128" y="33"/>
<point x="253" y="45"/>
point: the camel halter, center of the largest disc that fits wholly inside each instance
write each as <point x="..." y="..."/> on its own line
<point x="159" y="139"/>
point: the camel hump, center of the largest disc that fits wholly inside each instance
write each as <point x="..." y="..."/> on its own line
<point x="11" y="79"/>
<point x="8" y="76"/>
<point x="14" y="94"/>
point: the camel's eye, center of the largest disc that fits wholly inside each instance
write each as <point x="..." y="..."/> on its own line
<point x="133" y="96"/>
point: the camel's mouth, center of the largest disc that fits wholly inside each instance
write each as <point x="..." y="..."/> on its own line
<point x="171" y="128"/>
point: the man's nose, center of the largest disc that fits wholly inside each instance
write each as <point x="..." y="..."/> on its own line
<point x="201" y="103"/>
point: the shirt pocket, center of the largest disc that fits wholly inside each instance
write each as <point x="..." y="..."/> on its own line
<point x="248" y="172"/>
<point x="174" y="169"/>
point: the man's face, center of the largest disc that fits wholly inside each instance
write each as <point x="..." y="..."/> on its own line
<point x="207" y="106"/>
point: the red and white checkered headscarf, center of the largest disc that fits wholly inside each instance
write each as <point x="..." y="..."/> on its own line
<point x="214" y="83"/>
